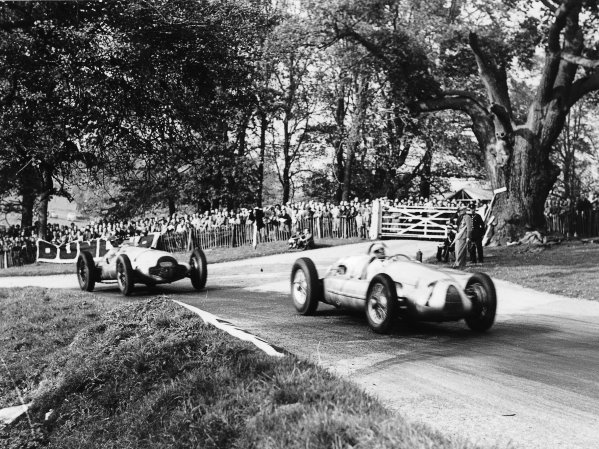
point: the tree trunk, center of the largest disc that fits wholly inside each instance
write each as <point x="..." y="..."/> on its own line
<point x="172" y="207"/>
<point x="263" y="129"/>
<point x="286" y="185"/>
<point x="531" y="177"/>
<point x="27" y="203"/>
<point x="425" y="171"/>
<point x="241" y="134"/>
<point x="44" y="199"/>
<point x="285" y="177"/>
<point x="353" y="139"/>
<point x="338" y="146"/>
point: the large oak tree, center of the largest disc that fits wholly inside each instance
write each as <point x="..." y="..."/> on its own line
<point x="411" y="41"/>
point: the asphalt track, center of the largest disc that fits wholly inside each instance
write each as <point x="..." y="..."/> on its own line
<point x="532" y="381"/>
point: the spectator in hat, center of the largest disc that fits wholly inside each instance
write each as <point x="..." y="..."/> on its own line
<point x="448" y="245"/>
<point x="476" y="236"/>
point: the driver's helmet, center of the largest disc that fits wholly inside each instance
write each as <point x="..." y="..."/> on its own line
<point x="378" y="250"/>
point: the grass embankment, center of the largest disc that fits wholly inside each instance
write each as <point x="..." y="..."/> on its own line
<point x="214" y="255"/>
<point x="151" y="374"/>
<point x="568" y="268"/>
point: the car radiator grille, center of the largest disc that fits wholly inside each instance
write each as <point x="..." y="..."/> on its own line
<point x="453" y="302"/>
<point x="167" y="272"/>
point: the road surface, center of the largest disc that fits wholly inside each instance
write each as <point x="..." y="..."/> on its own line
<point x="532" y="381"/>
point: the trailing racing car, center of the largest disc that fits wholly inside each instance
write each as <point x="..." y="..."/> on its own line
<point x="387" y="287"/>
<point x="141" y="262"/>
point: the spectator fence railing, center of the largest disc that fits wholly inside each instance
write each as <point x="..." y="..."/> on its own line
<point x="581" y="224"/>
<point x="273" y="231"/>
<point x="404" y="222"/>
<point x="16" y="257"/>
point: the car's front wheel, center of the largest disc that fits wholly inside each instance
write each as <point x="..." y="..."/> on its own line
<point x="86" y="269"/>
<point x="306" y="288"/>
<point x="381" y="304"/>
<point x="481" y="291"/>
<point x="124" y="275"/>
<point x="198" y="269"/>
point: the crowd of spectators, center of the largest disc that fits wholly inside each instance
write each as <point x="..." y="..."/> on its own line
<point x="433" y="203"/>
<point x="290" y="218"/>
<point x="569" y="217"/>
<point x="13" y="237"/>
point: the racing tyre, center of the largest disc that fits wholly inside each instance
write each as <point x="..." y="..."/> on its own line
<point x="86" y="272"/>
<point x="481" y="291"/>
<point x="198" y="269"/>
<point x="381" y="303"/>
<point x="306" y="288"/>
<point x="124" y="274"/>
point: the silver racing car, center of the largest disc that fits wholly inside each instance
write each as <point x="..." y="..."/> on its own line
<point x="390" y="286"/>
<point x="141" y="261"/>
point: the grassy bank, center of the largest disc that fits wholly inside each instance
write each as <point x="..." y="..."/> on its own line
<point x="214" y="255"/>
<point x="568" y="269"/>
<point x="150" y="374"/>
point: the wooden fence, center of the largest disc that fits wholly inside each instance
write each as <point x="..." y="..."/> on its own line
<point x="16" y="257"/>
<point x="241" y="235"/>
<point x="581" y="224"/>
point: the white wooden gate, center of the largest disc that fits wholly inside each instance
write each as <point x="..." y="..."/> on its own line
<point x="415" y="222"/>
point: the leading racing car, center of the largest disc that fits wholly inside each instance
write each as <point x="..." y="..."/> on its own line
<point x="141" y="261"/>
<point x="387" y="287"/>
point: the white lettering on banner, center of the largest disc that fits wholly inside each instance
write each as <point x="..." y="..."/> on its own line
<point x="232" y="330"/>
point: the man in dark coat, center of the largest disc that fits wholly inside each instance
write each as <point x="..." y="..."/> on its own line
<point x="476" y="239"/>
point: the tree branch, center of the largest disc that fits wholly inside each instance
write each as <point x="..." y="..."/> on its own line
<point x="370" y="46"/>
<point x="493" y="77"/>
<point x="583" y="86"/>
<point x="581" y="60"/>
<point x="450" y="100"/>
<point x="553" y="52"/>
<point x="467" y="94"/>
<point x="550" y="6"/>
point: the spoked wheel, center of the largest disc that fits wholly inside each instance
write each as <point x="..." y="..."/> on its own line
<point x="124" y="274"/>
<point x="198" y="269"/>
<point x="381" y="304"/>
<point x="481" y="291"/>
<point x="86" y="272"/>
<point x="306" y="288"/>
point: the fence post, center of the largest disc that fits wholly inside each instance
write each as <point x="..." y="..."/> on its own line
<point x="375" y="221"/>
<point x="255" y="235"/>
<point x="189" y="240"/>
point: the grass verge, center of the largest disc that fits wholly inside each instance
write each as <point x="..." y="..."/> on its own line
<point x="215" y="255"/>
<point x="151" y="374"/>
<point x="568" y="269"/>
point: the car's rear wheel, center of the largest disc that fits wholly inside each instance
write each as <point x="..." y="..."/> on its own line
<point x="481" y="291"/>
<point x="198" y="269"/>
<point x="124" y="275"/>
<point x="381" y="304"/>
<point x="86" y="271"/>
<point x="306" y="288"/>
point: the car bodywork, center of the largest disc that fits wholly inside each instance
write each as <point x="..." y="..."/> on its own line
<point x="140" y="261"/>
<point x="389" y="286"/>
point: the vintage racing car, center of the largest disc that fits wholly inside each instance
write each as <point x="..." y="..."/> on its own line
<point x="387" y="287"/>
<point x="141" y="261"/>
